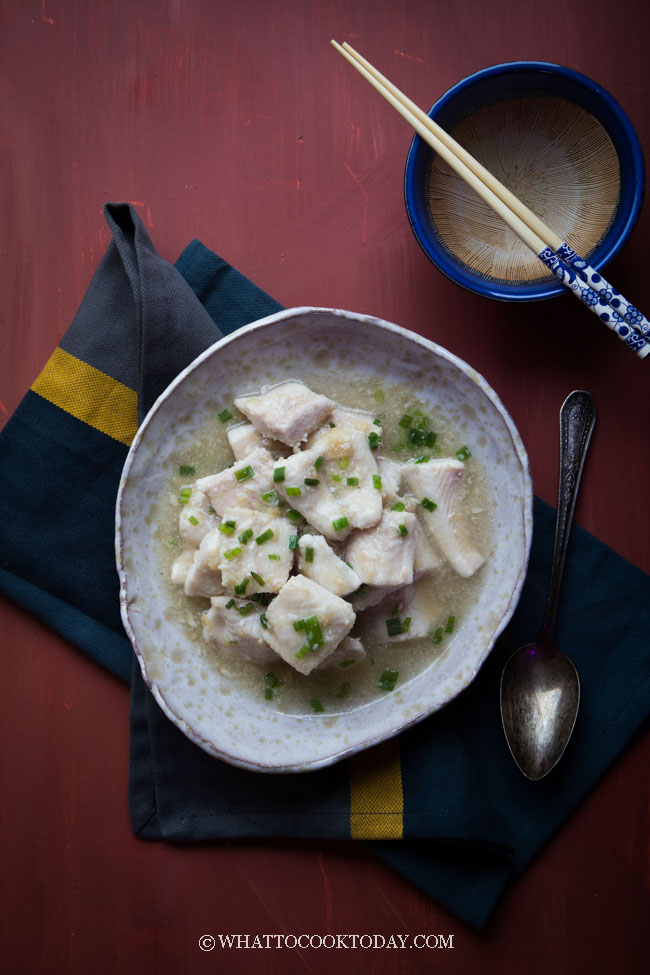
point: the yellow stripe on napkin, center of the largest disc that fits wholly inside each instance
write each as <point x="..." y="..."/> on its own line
<point x="89" y="395"/>
<point x="376" y="797"/>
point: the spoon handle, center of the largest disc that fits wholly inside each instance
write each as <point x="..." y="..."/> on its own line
<point x="577" y="419"/>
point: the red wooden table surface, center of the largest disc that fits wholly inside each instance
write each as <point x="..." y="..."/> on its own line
<point x="238" y="124"/>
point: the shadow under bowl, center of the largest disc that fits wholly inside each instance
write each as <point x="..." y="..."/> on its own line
<point x="560" y="143"/>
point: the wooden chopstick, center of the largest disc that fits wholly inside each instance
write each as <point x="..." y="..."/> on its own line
<point x="574" y="272"/>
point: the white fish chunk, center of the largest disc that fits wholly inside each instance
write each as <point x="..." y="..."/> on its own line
<point x="323" y="621"/>
<point x="181" y="567"/>
<point x="257" y="546"/>
<point x="384" y="555"/>
<point x="242" y="485"/>
<point x="391" y="480"/>
<point x="203" y="577"/>
<point x="349" y="651"/>
<point x="234" y="626"/>
<point x="367" y="596"/>
<point x="196" y="518"/>
<point x="425" y="559"/>
<point x="442" y="482"/>
<point x="414" y="606"/>
<point x="244" y="438"/>
<point x="346" y="455"/>
<point x="288" y="412"/>
<point x="346" y="418"/>
<point x="325" y="567"/>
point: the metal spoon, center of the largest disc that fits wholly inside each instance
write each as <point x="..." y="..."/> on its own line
<point x="540" y="689"/>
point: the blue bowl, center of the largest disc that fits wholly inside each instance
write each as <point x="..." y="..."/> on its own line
<point x="560" y="142"/>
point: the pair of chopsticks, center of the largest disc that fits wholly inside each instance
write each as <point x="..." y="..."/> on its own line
<point x="573" y="271"/>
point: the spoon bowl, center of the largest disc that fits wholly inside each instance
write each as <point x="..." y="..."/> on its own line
<point x="540" y="688"/>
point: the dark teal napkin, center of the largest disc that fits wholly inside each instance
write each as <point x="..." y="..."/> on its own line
<point x="471" y="822"/>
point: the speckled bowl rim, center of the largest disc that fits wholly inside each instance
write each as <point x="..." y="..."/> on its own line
<point x="526" y="514"/>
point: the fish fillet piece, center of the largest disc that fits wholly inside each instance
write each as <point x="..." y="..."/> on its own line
<point x="203" y="577"/>
<point x="349" y="651"/>
<point x="306" y="622"/>
<point x="442" y="481"/>
<point x="425" y="559"/>
<point x="391" y="481"/>
<point x="346" y="456"/>
<point x="415" y="608"/>
<point x="257" y="545"/>
<point x="234" y="626"/>
<point x="288" y="412"/>
<point x="196" y="519"/>
<point x="242" y="485"/>
<point x="345" y="418"/>
<point x="244" y="438"/>
<point x="384" y="555"/>
<point x="181" y="567"/>
<point x="325" y="567"/>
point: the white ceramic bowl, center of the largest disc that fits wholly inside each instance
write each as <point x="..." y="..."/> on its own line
<point x="186" y="682"/>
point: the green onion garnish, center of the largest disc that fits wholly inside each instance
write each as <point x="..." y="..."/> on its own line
<point x="316" y="706"/>
<point x="309" y="554"/>
<point x="231" y="602"/>
<point x="388" y="680"/>
<point x="430" y="439"/>
<point x="313" y="632"/>
<point x="406" y="421"/>
<point x="415" y="437"/>
<point x="245" y="535"/>
<point x="293" y="515"/>
<point x="275" y="557"/>
<point x="232" y="553"/>
<point x="298" y="625"/>
<point x="186" y="470"/>
<point x="403" y="530"/>
<point x="377" y="421"/>
<point x="245" y="473"/>
<point x="336" y="477"/>
<point x="245" y="610"/>
<point x="421" y="460"/>
<point x="332" y="425"/>
<point x="293" y="542"/>
<point x="268" y="694"/>
<point x="428" y="504"/>
<point x="376" y="481"/>
<point x="240" y="589"/>
<point x="373" y="440"/>
<point x="227" y="527"/>
<point x="437" y="636"/>
<point x="347" y="663"/>
<point x="318" y="463"/>
<point x="271" y="680"/>
<point x="405" y="625"/>
<point x="193" y="520"/>
<point x="344" y="462"/>
<point x="340" y="523"/>
<point x="343" y="689"/>
<point x="352" y="481"/>
<point x="363" y="588"/>
<point x="233" y="642"/>
<point x="399" y="506"/>
<point x="263" y="621"/>
<point x="449" y="625"/>
<point x="258" y="579"/>
<point x="225" y="415"/>
<point x="302" y="652"/>
<point x="265" y="536"/>
<point x="174" y="542"/>
<point x="293" y="492"/>
<point x="463" y="453"/>
<point x="278" y="474"/>
<point x="394" y="626"/>
<point x="310" y="482"/>
<point x="379" y="395"/>
<point x="185" y="495"/>
<point x="272" y="497"/>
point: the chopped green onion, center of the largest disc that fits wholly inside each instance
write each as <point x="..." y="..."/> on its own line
<point x="232" y="553"/>
<point x="449" y="625"/>
<point x="313" y="632"/>
<point x="364" y="587"/>
<point x="302" y="652"/>
<point x="227" y="527"/>
<point x="231" y="602"/>
<point x="421" y="460"/>
<point x="233" y="642"/>
<point x="293" y="542"/>
<point x="430" y="439"/>
<point x="347" y="663"/>
<point x="344" y="462"/>
<point x="240" y="589"/>
<point x="193" y="520"/>
<point x="316" y="706"/>
<point x="377" y="421"/>
<point x="463" y="453"/>
<point x="406" y="421"/>
<point x="340" y="523"/>
<point x="403" y="530"/>
<point x="379" y="395"/>
<point x="399" y="506"/>
<point x="246" y="609"/>
<point x="415" y="437"/>
<point x="278" y="474"/>
<point x="225" y="415"/>
<point x="174" y="542"/>
<point x="310" y="482"/>
<point x="298" y="625"/>
<point x="245" y="535"/>
<point x="373" y="440"/>
<point x="275" y="557"/>
<point x="336" y="477"/>
<point x="272" y="497"/>
<point x="186" y="470"/>
<point x="309" y="554"/>
<point x="394" y="626"/>
<point x="293" y="492"/>
<point x="185" y="495"/>
<point x="376" y="481"/>
<point x="388" y="680"/>
<point x="352" y="481"/>
<point x="268" y="694"/>
<point x="332" y="425"/>
<point x="428" y="504"/>
<point x="318" y="463"/>
<point x="293" y="515"/>
<point x="343" y="689"/>
<point x="437" y="636"/>
<point x="265" y="536"/>
<point x="211" y="510"/>
<point x="245" y="473"/>
<point x="263" y="621"/>
<point x="405" y="625"/>
<point x="258" y="579"/>
<point x="271" y="680"/>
